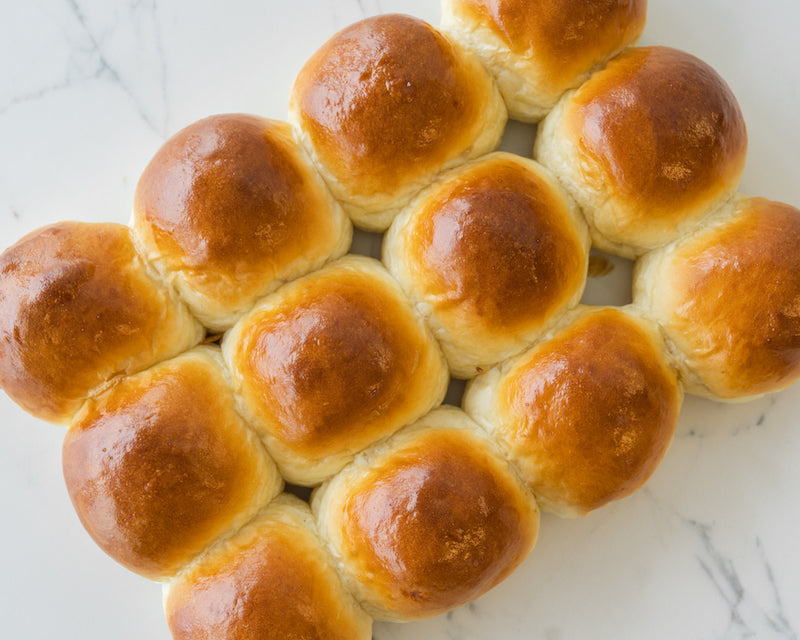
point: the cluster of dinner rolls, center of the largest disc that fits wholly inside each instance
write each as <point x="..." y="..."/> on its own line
<point x="223" y="345"/>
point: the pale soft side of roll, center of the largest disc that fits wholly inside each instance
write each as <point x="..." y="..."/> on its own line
<point x="385" y="105"/>
<point x="332" y="362"/>
<point x="161" y="464"/>
<point x="78" y="307"/>
<point x="728" y="298"/>
<point x="231" y="207"/>
<point x="648" y="146"/>
<point x="536" y="50"/>
<point x="272" y="580"/>
<point x="490" y="254"/>
<point x="587" y="415"/>
<point x="428" y="520"/>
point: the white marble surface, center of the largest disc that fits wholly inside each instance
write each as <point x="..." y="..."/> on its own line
<point x="90" y="88"/>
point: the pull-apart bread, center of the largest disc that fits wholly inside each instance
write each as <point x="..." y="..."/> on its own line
<point x="321" y="374"/>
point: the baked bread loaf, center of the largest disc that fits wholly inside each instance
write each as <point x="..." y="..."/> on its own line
<point x="490" y="254"/>
<point x="272" y="580"/>
<point x="648" y="146"/>
<point x="332" y="362"/>
<point x="728" y="299"/>
<point x="385" y="105"/>
<point x="228" y="209"/>
<point x="537" y="50"/>
<point x="428" y="520"/>
<point x="161" y="464"/>
<point x="78" y="307"/>
<point x="328" y="375"/>
<point x="586" y="415"/>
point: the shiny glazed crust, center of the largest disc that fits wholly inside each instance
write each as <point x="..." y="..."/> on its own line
<point x="491" y="253"/>
<point x="229" y="208"/>
<point x="332" y="362"/>
<point x="272" y="580"/>
<point x="385" y="105"/>
<point x="161" y="464"/>
<point x="728" y="298"/>
<point x="539" y="49"/>
<point x="648" y="147"/>
<point x="330" y="374"/>
<point x="427" y="521"/>
<point x="587" y="415"/>
<point x="78" y="307"/>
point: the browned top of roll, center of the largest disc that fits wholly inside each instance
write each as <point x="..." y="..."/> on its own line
<point x="564" y="37"/>
<point x="161" y="464"/>
<point x="336" y="360"/>
<point x="436" y="523"/>
<point x="663" y="129"/>
<point x="76" y="308"/>
<point x="731" y="300"/>
<point x="272" y="581"/>
<point x="590" y="413"/>
<point x="497" y="248"/>
<point x="231" y="202"/>
<point x="328" y="364"/>
<point x="387" y="100"/>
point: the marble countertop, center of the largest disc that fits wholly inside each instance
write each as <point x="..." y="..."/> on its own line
<point x="90" y="88"/>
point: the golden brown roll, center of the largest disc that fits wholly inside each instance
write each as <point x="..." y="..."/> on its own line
<point x="537" y="50"/>
<point x="387" y="103"/>
<point x="648" y="146"/>
<point x="78" y="307"/>
<point x="332" y="362"/>
<point x="273" y="580"/>
<point x="428" y="520"/>
<point x="161" y="464"/>
<point x="728" y="298"/>
<point x="229" y="208"/>
<point x="490" y="254"/>
<point x="587" y="415"/>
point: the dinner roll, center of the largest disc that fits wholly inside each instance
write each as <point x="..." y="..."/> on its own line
<point x="332" y="362"/>
<point x="728" y="298"/>
<point x="273" y="580"/>
<point x="161" y="464"/>
<point x="537" y="50"/>
<point x="587" y="415"/>
<point x="77" y="307"/>
<point x="427" y="521"/>
<point x="229" y="208"/>
<point x="490" y="254"/>
<point x="387" y="103"/>
<point x="648" y="146"/>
